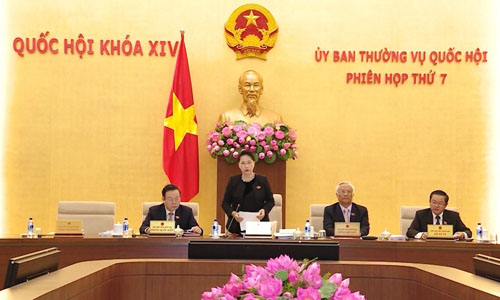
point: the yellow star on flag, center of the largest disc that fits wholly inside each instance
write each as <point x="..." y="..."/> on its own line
<point x="251" y="19"/>
<point x="181" y="121"/>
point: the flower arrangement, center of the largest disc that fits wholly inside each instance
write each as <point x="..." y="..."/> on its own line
<point x="284" y="279"/>
<point x="267" y="142"/>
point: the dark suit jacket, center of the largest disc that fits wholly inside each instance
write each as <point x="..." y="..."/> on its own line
<point x="183" y="217"/>
<point x="333" y="213"/>
<point x="260" y="197"/>
<point x="424" y="217"/>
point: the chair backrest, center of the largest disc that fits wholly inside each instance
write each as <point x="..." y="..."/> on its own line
<point x="194" y="206"/>
<point x="316" y="212"/>
<point x="408" y="214"/>
<point x="96" y="216"/>
<point x="276" y="213"/>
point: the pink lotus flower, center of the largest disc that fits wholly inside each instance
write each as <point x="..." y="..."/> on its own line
<point x="214" y="292"/>
<point x="252" y="142"/>
<point x="232" y="150"/>
<point x="282" y="151"/>
<point x="287" y="145"/>
<point x="226" y="131"/>
<point x="236" y="145"/>
<point x="234" y="286"/>
<point x="263" y="143"/>
<point x="270" y="288"/>
<point x="283" y="262"/>
<point x="345" y="283"/>
<point x="268" y="130"/>
<point x="216" y="148"/>
<point x="209" y="147"/>
<point x="308" y="294"/>
<point x="253" y="276"/>
<point x="262" y="155"/>
<point x="275" y="147"/>
<point x="225" y="152"/>
<point x="269" y="154"/>
<point x="241" y="140"/>
<point x="335" y="278"/>
<point x="279" y="135"/>
<point x="294" y="147"/>
<point x="260" y="135"/>
<point x="215" y="136"/>
<point x="252" y="148"/>
<point x="265" y="283"/>
<point x="312" y="276"/>
<point x="214" y="144"/>
<point x="292" y="135"/>
<point x="242" y="135"/>
<point x="236" y="154"/>
<point x="293" y="277"/>
<point x="267" y="148"/>
<point x="341" y="293"/>
<point x="273" y="143"/>
<point x="252" y="131"/>
<point x="238" y="128"/>
<point x="220" y="142"/>
<point x="256" y="126"/>
<point x="229" y="141"/>
<point x="247" y="147"/>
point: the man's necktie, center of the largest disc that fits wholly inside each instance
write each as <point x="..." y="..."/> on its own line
<point x="347" y="218"/>
<point x="437" y="220"/>
<point x="170" y="216"/>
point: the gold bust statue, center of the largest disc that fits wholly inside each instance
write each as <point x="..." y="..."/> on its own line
<point x="250" y="87"/>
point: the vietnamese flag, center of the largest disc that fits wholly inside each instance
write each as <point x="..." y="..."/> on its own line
<point x="180" y="132"/>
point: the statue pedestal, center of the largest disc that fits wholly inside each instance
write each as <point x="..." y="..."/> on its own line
<point x="275" y="173"/>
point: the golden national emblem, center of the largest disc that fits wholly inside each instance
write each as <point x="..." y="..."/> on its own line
<point x="251" y="31"/>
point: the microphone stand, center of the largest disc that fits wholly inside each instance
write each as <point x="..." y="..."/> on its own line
<point x="230" y="223"/>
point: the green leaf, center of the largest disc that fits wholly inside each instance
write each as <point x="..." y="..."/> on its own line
<point x="240" y="122"/>
<point x="271" y="159"/>
<point x="282" y="298"/>
<point x="327" y="289"/>
<point x="230" y="159"/>
<point x="282" y="275"/>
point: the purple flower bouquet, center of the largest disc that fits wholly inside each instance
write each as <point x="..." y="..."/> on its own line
<point x="284" y="279"/>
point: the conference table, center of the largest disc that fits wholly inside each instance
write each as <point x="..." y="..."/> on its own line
<point x="455" y="254"/>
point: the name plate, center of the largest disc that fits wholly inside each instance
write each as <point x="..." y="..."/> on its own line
<point x="161" y="227"/>
<point x="440" y="231"/>
<point x="347" y="229"/>
<point x="69" y="227"/>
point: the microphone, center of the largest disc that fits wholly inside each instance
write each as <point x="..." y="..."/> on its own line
<point x="230" y="223"/>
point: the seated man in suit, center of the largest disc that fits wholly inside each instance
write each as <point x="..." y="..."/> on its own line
<point x="345" y="210"/>
<point x="172" y="210"/>
<point x="437" y="215"/>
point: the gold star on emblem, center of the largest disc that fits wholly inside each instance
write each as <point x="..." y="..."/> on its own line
<point x="251" y="19"/>
<point x="181" y="121"/>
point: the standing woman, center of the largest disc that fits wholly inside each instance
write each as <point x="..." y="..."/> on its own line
<point x="246" y="192"/>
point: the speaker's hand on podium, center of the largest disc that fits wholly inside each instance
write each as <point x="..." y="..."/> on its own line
<point x="261" y="214"/>
<point x="237" y="217"/>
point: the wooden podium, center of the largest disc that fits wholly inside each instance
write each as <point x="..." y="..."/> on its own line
<point x="275" y="173"/>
